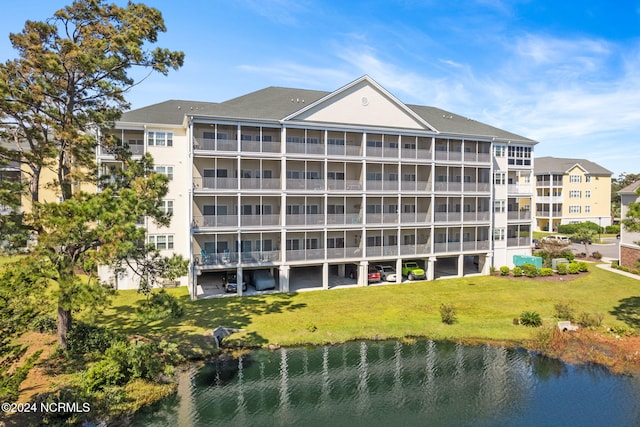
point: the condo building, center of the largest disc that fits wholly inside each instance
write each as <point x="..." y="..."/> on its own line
<point x="316" y="187"/>
<point x="570" y="191"/>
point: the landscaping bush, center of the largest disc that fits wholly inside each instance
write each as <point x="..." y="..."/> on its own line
<point x="531" y="319"/>
<point x="44" y="323"/>
<point x="546" y="257"/>
<point x="564" y="311"/>
<point x="504" y="270"/>
<point x="448" y="314"/>
<point x="573" y="268"/>
<point x="84" y="338"/>
<point x="562" y="269"/>
<point x="588" y="320"/>
<point x="570" y="256"/>
<point x="583" y="267"/>
<point x="572" y="228"/>
<point x="517" y="272"/>
<point x="545" y="272"/>
<point x="612" y="229"/>
<point x="160" y="305"/>
<point x="596" y="255"/>
<point x="614" y="264"/>
<point x="529" y="270"/>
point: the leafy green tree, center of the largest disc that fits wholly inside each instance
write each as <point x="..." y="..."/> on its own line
<point x="71" y="78"/>
<point x="618" y="184"/>
<point x="584" y="234"/>
<point x="88" y="230"/>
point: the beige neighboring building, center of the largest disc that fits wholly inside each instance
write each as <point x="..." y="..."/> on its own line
<point x="629" y="242"/>
<point x="314" y="187"/>
<point x="571" y="191"/>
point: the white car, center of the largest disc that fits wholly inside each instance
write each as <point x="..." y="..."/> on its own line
<point x="387" y="273"/>
<point x="557" y="238"/>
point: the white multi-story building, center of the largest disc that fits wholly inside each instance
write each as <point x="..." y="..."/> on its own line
<point x="316" y="186"/>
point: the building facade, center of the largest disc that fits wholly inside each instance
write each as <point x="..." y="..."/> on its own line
<point x="629" y="241"/>
<point x="317" y="186"/>
<point x="571" y="191"/>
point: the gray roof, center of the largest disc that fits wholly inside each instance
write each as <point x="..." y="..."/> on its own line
<point x="630" y="189"/>
<point x="277" y="103"/>
<point x="548" y="165"/>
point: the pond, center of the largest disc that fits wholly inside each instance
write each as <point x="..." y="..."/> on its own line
<point x="387" y="383"/>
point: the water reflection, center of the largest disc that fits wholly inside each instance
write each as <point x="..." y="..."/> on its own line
<point x="391" y="383"/>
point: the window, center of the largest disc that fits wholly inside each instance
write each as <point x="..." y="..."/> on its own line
<point x="335" y="176"/>
<point x="498" y="234"/>
<point x="374" y="241"/>
<point x="293" y="244"/>
<point x="335" y="209"/>
<point x="335" y="242"/>
<point x="575" y="209"/>
<point x="500" y="178"/>
<point x="587" y="178"/>
<point x="374" y="209"/>
<point x="498" y="205"/>
<point x="246" y="173"/>
<point x="411" y="177"/>
<point x="312" y="141"/>
<point x="293" y="139"/>
<point x="161" y="241"/>
<point x="167" y="207"/>
<point x="293" y="174"/>
<point x="335" y="141"/>
<point x="293" y="209"/>
<point x="575" y="178"/>
<point x="313" y="175"/>
<point x="374" y="176"/>
<point x="587" y="209"/>
<point x="499" y="150"/>
<point x="587" y="194"/>
<point x="575" y="194"/>
<point x="372" y="143"/>
<point x="160" y="139"/>
<point x="164" y="170"/>
<point x="519" y="155"/>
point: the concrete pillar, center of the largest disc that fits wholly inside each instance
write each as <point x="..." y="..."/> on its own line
<point x="399" y="270"/>
<point x="363" y="270"/>
<point x="460" y="265"/>
<point x="325" y="275"/>
<point x="484" y="264"/>
<point x="342" y="270"/>
<point x="239" y="280"/>
<point x="431" y="267"/>
<point x="284" y="278"/>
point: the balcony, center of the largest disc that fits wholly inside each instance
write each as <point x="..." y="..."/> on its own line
<point x="310" y="219"/>
<point x="422" y="249"/>
<point x="448" y="217"/>
<point x="259" y="184"/>
<point x="342" y="253"/>
<point x="305" y="255"/>
<point x="413" y="154"/>
<point x="302" y="148"/>
<point x="448" y="186"/>
<point x="260" y="220"/>
<point x="549" y="199"/>
<point x="415" y="218"/>
<point x="547" y="183"/>
<point x="344" y="150"/>
<point x="344" y="219"/>
<point x="419" y="186"/>
<point x="382" y="185"/>
<point x="519" y="215"/>
<point x="384" y="152"/>
<point x="482" y="216"/>
<point x="477" y="158"/>
<point x="260" y="146"/>
<point x="342" y="185"/>
<point x="477" y="187"/>
<point x="226" y="258"/>
<point x="518" y="241"/>
<point x="215" y="144"/>
<point x="388" y="218"/>
<point x="553" y="214"/>
<point x="208" y="221"/>
<point x="134" y="149"/>
<point x="305" y="184"/>
<point x="447" y="247"/>
<point x="452" y="156"/>
<point x="479" y="245"/>
<point x="519" y="189"/>
<point x="215" y="183"/>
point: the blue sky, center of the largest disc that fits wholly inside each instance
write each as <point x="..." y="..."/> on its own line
<point x="565" y="73"/>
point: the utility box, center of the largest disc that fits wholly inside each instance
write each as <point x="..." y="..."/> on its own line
<point x="556" y="261"/>
<point x="520" y="260"/>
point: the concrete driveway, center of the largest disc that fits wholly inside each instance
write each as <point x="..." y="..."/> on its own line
<point x="608" y="249"/>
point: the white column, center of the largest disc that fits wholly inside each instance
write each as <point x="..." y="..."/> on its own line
<point x="284" y="278"/>
<point x="399" y="270"/>
<point x="239" y="279"/>
<point x="325" y="275"/>
<point x="431" y="266"/>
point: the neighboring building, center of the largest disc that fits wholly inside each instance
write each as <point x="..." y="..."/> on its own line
<point x="571" y="191"/>
<point x="629" y="242"/>
<point x="319" y="185"/>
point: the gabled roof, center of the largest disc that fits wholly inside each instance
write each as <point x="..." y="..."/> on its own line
<point x="549" y="165"/>
<point x="630" y="189"/>
<point x="279" y="104"/>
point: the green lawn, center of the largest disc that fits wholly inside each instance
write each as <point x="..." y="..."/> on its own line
<point x="486" y="308"/>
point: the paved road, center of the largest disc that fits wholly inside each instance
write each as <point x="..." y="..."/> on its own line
<point x="609" y="249"/>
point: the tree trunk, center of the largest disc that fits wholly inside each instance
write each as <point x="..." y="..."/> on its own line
<point x="64" y="324"/>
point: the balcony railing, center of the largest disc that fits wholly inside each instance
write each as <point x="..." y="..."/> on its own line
<point x="382" y="185"/>
<point x="556" y="183"/>
<point x="448" y="217"/>
<point x="260" y="146"/>
<point x="225" y="258"/>
<point x="302" y="148"/>
<point x="483" y="216"/>
<point x="479" y="245"/>
<point x="519" y="189"/>
<point x="310" y="219"/>
<point x="259" y="183"/>
<point x="344" y="150"/>
<point x="412" y="154"/>
<point x="447" y="247"/>
<point x="305" y="184"/>
<point x="259" y="220"/>
<point x="448" y="186"/>
<point x="305" y="255"/>
<point x="519" y="215"/>
<point x="546" y="213"/>
<point x="342" y="185"/>
<point x="454" y="156"/>
<point x="134" y="149"/>
<point x="421" y="186"/>
<point x="549" y="199"/>
<point x="415" y="217"/>
<point x="387" y="218"/>
<point x="215" y="221"/>
<point x="477" y="187"/>
<point x="344" y="219"/>
<point x="215" y="145"/>
<point x="348" y="252"/>
<point x="215" y="183"/>
<point x="477" y="157"/>
<point x="385" y="152"/>
<point x="519" y="241"/>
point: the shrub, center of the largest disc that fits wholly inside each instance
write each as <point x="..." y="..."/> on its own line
<point x="570" y="256"/>
<point x="635" y="271"/>
<point x="562" y="269"/>
<point x="531" y="319"/>
<point x="573" y="228"/>
<point x="504" y="270"/>
<point x="84" y="338"/>
<point x="545" y="271"/>
<point x="529" y="270"/>
<point x="160" y="305"/>
<point x="612" y="229"/>
<point x="564" y="311"/>
<point x="596" y="255"/>
<point x="583" y="267"/>
<point x="517" y="272"/>
<point x="587" y="320"/>
<point x="44" y="323"/>
<point x="546" y="257"/>
<point x="573" y="268"/>
<point x="448" y="314"/>
<point x="614" y="264"/>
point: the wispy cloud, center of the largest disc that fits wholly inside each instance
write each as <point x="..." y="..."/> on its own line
<point x="284" y="12"/>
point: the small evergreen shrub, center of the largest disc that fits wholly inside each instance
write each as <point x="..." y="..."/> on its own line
<point x="531" y="319"/>
<point x="529" y="270"/>
<point x="44" y="324"/>
<point x="570" y="256"/>
<point x="545" y="272"/>
<point x="583" y="267"/>
<point x="614" y="264"/>
<point x="562" y="269"/>
<point x="612" y="229"/>
<point x="573" y="268"/>
<point x="588" y="320"/>
<point x="596" y="255"/>
<point x="564" y="311"/>
<point x="448" y="314"/>
<point x="160" y="306"/>
<point x="504" y="270"/>
<point x="517" y="272"/>
<point x="84" y="338"/>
